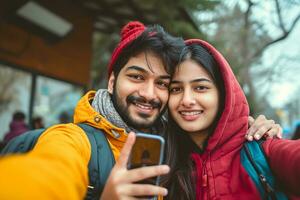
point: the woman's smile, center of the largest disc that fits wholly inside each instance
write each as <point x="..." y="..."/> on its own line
<point x="190" y="115"/>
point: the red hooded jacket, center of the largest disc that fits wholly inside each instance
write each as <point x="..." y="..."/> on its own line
<point x="220" y="174"/>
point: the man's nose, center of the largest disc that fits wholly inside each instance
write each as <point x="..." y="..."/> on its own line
<point x="148" y="91"/>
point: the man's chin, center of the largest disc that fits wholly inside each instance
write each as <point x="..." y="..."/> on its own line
<point x="144" y="117"/>
<point x="141" y="120"/>
<point x="141" y="124"/>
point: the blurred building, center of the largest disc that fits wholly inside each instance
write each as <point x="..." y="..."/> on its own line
<point x="46" y="51"/>
<point x="45" y="56"/>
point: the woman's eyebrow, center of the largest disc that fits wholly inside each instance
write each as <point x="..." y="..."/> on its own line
<point x="175" y="81"/>
<point x="200" y="80"/>
<point x="193" y="81"/>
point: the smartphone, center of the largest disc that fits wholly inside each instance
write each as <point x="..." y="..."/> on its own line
<point x="148" y="150"/>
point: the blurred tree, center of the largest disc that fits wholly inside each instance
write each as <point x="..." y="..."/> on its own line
<point x="243" y="30"/>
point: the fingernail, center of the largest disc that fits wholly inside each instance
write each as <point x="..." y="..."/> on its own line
<point x="250" y="138"/>
<point x="165" y="168"/>
<point x="257" y="136"/>
<point x="165" y="192"/>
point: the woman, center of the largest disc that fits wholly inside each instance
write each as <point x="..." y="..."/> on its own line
<point x="121" y="183"/>
<point x="208" y="122"/>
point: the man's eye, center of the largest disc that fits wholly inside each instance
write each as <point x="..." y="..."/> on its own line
<point x="136" y="76"/>
<point x="163" y="84"/>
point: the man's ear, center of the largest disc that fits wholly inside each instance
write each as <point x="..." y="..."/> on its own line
<point x="111" y="82"/>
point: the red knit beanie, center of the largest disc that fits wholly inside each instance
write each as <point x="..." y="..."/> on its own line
<point x="128" y="34"/>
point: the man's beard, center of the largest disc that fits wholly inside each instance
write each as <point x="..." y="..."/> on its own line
<point x="124" y="112"/>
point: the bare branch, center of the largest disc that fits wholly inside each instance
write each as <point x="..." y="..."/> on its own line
<point x="247" y="14"/>
<point x="278" y="9"/>
<point x="275" y="73"/>
<point x="281" y="37"/>
<point x="245" y="35"/>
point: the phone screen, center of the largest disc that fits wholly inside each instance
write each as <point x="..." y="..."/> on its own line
<point x="147" y="151"/>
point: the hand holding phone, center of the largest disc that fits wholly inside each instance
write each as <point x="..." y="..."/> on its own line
<point x="148" y="150"/>
<point x="121" y="183"/>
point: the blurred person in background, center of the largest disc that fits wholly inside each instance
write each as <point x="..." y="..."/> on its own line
<point x="64" y="117"/>
<point x="37" y="123"/>
<point x="16" y="127"/>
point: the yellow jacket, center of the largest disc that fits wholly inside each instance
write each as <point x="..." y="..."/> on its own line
<point x="57" y="166"/>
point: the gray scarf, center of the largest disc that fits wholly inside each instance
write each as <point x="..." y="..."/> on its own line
<point x="103" y="104"/>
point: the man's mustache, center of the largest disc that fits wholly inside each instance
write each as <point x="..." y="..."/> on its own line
<point x="139" y="99"/>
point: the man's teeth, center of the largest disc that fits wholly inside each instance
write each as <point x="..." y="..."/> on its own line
<point x="143" y="106"/>
<point x="190" y="113"/>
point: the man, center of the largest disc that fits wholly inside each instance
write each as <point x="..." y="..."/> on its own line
<point x="139" y="75"/>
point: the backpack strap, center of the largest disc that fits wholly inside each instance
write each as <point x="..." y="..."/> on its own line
<point x="22" y="143"/>
<point x="101" y="161"/>
<point x="254" y="161"/>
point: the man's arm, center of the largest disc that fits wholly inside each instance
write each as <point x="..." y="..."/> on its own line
<point x="284" y="159"/>
<point x="262" y="127"/>
<point x="55" y="169"/>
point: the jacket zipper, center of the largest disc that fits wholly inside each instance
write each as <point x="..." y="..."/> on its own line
<point x="204" y="184"/>
<point x="204" y="178"/>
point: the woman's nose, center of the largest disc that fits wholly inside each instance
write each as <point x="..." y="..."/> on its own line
<point x="188" y="99"/>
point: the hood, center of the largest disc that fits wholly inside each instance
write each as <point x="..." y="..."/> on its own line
<point x="230" y="131"/>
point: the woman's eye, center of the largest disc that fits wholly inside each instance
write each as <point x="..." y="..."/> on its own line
<point x="201" y="88"/>
<point x="175" y="90"/>
<point x="163" y="84"/>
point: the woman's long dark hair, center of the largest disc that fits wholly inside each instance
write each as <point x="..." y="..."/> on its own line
<point x="181" y="182"/>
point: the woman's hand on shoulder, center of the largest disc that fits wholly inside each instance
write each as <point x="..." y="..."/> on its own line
<point x="262" y="127"/>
